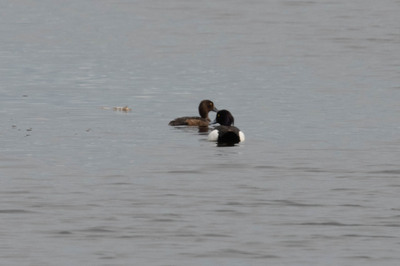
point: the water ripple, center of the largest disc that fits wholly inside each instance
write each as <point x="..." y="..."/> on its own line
<point x="328" y="224"/>
<point x="368" y="236"/>
<point x="15" y="211"/>
<point x="296" y="204"/>
<point x="389" y="172"/>
<point x="235" y="253"/>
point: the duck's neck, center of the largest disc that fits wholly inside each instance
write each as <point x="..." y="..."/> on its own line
<point x="203" y="113"/>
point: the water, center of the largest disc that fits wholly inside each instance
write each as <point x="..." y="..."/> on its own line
<point x="314" y="85"/>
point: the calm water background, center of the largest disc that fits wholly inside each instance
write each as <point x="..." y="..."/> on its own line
<point x="315" y="86"/>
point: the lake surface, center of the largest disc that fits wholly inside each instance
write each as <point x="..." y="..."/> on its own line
<point x="314" y="85"/>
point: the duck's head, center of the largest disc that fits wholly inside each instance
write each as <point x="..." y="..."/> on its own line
<point x="224" y="118"/>
<point x="205" y="107"/>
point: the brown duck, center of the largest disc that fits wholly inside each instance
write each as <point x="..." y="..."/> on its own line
<point x="205" y="107"/>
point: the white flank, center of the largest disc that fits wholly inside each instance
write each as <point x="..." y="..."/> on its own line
<point x="241" y="136"/>
<point x="213" y="136"/>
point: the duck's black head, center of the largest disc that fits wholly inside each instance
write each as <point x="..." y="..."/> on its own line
<point x="224" y="118"/>
<point x="205" y="107"/>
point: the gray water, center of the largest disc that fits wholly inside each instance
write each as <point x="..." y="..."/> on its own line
<point x="314" y="85"/>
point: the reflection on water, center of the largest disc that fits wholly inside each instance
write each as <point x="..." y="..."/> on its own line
<point x="313" y="84"/>
<point x="190" y="129"/>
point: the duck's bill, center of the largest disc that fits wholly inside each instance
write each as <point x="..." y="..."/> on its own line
<point x="215" y="109"/>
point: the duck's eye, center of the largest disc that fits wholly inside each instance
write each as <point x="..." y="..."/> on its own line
<point x="218" y="115"/>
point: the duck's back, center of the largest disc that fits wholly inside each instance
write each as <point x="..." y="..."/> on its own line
<point x="189" y="121"/>
<point x="226" y="135"/>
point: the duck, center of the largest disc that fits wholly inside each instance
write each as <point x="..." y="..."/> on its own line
<point x="226" y="134"/>
<point x="205" y="107"/>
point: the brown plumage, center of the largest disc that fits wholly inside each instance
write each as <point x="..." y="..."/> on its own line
<point x="205" y="107"/>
